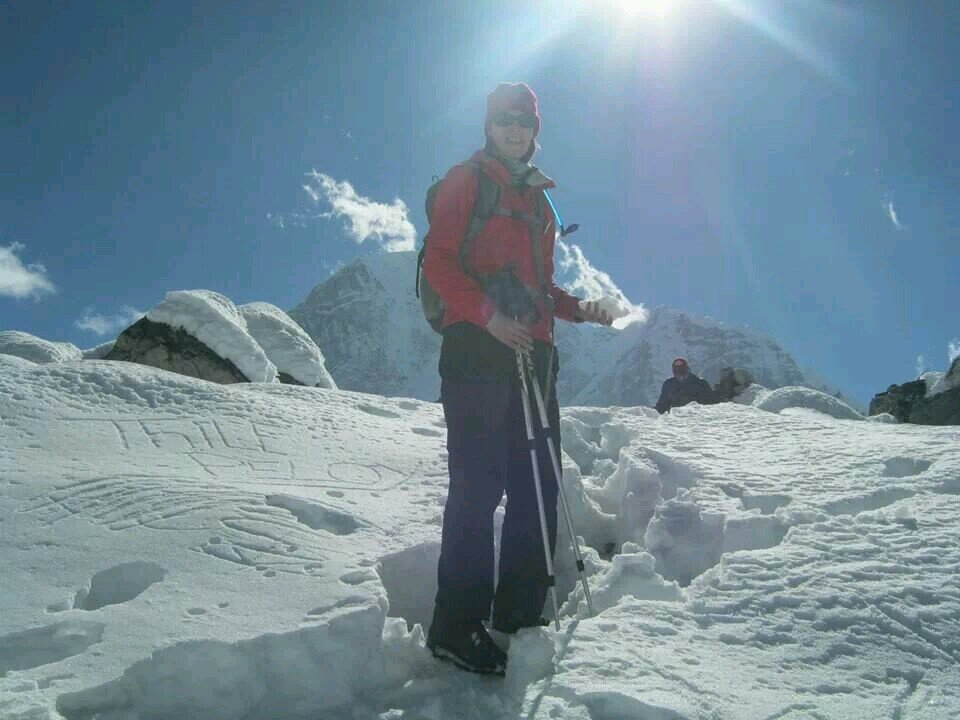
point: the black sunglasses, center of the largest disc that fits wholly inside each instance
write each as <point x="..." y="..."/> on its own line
<point x="505" y="119"/>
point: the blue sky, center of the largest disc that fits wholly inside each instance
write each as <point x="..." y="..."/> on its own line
<point x="791" y="166"/>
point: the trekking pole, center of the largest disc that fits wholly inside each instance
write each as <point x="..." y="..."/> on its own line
<point x="548" y="556"/>
<point x="545" y="424"/>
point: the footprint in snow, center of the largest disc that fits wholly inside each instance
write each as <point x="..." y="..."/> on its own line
<point x="118" y="584"/>
<point x="901" y="467"/>
<point x="378" y="411"/>
<point x="357" y="577"/>
<point x="42" y="646"/>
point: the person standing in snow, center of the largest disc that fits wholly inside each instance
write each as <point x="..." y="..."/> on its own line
<point x="503" y="305"/>
<point x="684" y="388"/>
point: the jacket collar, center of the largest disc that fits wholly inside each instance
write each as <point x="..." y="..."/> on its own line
<point x="498" y="171"/>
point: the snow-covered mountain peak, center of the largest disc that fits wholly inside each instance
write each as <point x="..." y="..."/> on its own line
<point x="369" y="324"/>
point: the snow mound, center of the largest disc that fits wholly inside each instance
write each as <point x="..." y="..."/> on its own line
<point x="38" y="350"/>
<point x="300" y="673"/>
<point x="884" y="418"/>
<point x="215" y="321"/>
<point x="531" y="657"/>
<point x="286" y="344"/>
<point x="752" y="395"/>
<point x="802" y="397"/>
<point x="632" y="574"/>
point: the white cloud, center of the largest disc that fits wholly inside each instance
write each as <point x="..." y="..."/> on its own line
<point x="18" y="280"/>
<point x="576" y="274"/>
<point x="108" y="324"/>
<point x="388" y="224"/>
<point x="892" y="214"/>
<point x="953" y="349"/>
<point x="921" y="365"/>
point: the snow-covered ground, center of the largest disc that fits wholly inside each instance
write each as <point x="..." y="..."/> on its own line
<point x="174" y="548"/>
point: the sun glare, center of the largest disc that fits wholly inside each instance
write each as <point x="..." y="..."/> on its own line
<point x="635" y="9"/>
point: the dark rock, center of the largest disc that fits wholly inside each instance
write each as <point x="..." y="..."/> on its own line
<point x="161" y="346"/>
<point x="909" y="402"/>
<point x="288" y="379"/>
<point x="953" y="374"/>
<point x="940" y="409"/>
<point x="899" y="400"/>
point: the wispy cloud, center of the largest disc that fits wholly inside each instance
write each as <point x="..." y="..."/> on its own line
<point x="581" y="278"/>
<point x="108" y="324"/>
<point x="892" y="214"/>
<point x="953" y="349"/>
<point x="921" y="365"/>
<point x="18" y="280"/>
<point x="388" y="224"/>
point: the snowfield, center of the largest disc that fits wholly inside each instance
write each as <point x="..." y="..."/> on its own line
<point x="174" y="548"/>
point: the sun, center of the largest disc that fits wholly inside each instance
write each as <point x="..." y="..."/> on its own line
<point x="630" y="10"/>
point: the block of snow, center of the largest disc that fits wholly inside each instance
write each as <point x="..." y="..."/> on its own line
<point x="802" y="397"/>
<point x="286" y="344"/>
<point x="632" y="573"/>
<point x="29" y="347"/>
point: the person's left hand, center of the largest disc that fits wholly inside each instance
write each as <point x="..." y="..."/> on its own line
<point x="590" y="311"/>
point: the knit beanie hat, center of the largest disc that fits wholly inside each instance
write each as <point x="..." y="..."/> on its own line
<point x="515" y="97"/>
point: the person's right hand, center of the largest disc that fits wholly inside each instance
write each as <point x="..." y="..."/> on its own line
<point x="515" y="335"/>
<point x="591" y="311"/>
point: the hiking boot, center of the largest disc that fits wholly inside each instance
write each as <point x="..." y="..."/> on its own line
<point x="469" y="647"/>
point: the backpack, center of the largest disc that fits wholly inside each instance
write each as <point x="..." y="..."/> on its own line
<point x="487" y="205"/>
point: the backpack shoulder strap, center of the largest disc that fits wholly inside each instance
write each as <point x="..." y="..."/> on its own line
<point x="488" y="197"/>
<point x="484" y="207"/>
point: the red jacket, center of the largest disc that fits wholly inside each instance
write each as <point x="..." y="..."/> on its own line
<point x="503" y="240"/>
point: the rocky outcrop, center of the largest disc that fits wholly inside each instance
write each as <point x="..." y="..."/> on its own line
<point x="898" y="400"/>
<point x="942" y="409"/>
<point x="910" y="402"/>
<point x="161" y="346"/>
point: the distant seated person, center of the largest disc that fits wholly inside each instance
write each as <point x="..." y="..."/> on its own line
<point x="684" y="388"/>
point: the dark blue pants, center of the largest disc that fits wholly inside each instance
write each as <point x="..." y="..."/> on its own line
<point x="489" y="454"/>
